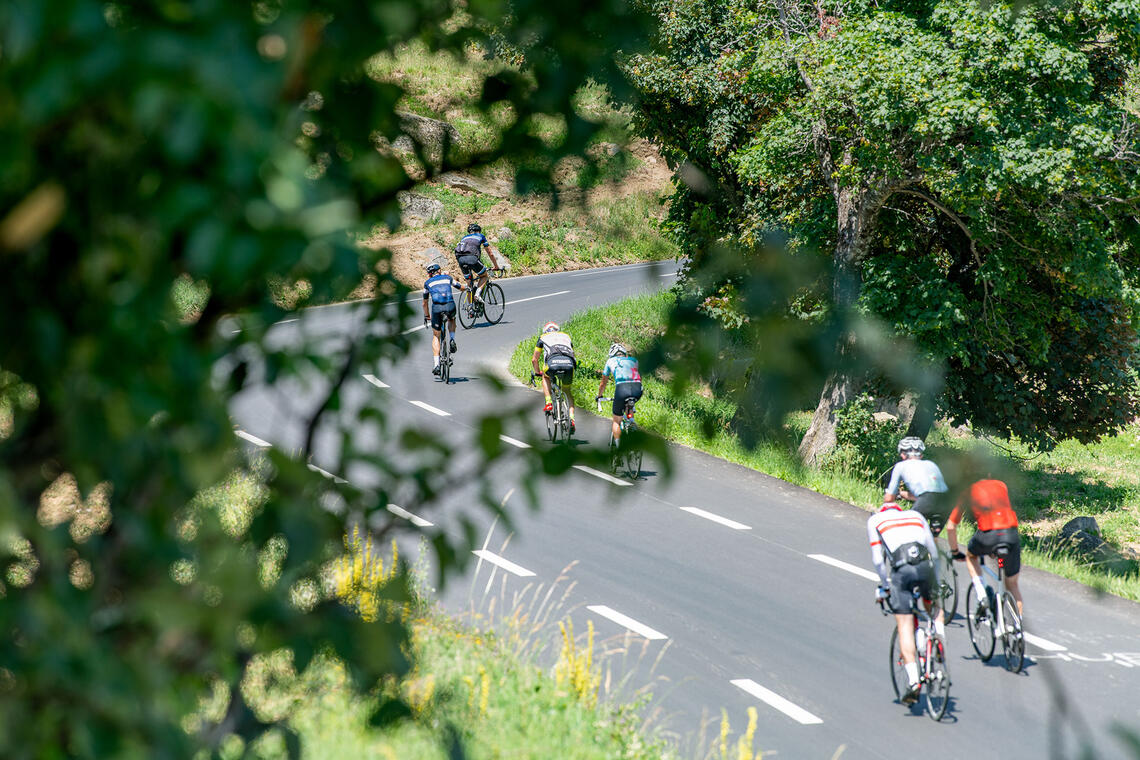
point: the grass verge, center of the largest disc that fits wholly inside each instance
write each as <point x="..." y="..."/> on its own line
<point x="1101" y="480"/>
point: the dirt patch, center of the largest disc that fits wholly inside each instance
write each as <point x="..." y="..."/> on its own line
<point x="409" y="245"/>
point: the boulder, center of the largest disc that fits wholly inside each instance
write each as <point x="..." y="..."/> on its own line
<point x="609" y="148"/>
<point x="505" y="233"/>
<point x="1087" y="545"/>
<point x="414" y="206"/>
<point x="1080" y="524"/>
<point x="494" y="187"/>
<point x="433" y="135"/>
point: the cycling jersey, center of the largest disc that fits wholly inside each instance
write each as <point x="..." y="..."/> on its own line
<point x="471" y="244"/>
<point x="438" y="289"/>
<point x="989" y="502"/>
<point x="920" y="476"/>
<point x="623" y="369"/>
<point x="892" y="531"/>
<point x="555" y="344"/>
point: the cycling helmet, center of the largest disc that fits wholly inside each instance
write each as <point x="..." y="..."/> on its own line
<point x="617" y="349"/>
<point x="474" y="228"/>
<point x="432" y="268"/>
<point x="911" y="443"/>
<point x="550" y="327"/>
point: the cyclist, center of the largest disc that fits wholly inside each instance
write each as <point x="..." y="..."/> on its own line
<point x="437" y="290"/>
<point x="558" y="362"/>
<point x="925" y="485"/>
<point x="988" y="501"/>
<point x="902" y="550"/>
<point x="627" y="383"/>
<point x="468" y="253"/>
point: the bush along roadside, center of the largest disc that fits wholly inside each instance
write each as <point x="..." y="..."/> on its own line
<point x="1049" y="489"/>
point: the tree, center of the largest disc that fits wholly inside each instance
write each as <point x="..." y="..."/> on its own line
<point x="970" y="168"/>
<point x="222" y="147"/>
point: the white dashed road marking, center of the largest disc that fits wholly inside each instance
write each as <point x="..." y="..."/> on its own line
<point x="252" y="439"/>
<point x="506" y="564"/>
<point x="413" y="329"/>
<point x="716" y="518"/>
<point x="515" y="442"/>
<point x="327" y="474"/>
<point x="602" y="475"/>
<point x="772" y="699"/>
<point x="416" y="520"/>
<point x="535" y="298"/>
<point x="1045" y="644"/>
<point x="430" y="408"/>
<point x="861" y="572"/>
<point x="376" y="381"/>
<point x="669" y="274"/>
<point x="626" y="622"/>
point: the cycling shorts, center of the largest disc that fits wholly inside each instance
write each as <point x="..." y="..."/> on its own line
<point x="564" y="375"/>
<point x="906" y="578"/>
<point x="623" y="391"/>
<point x="985" y="541"/>
<point x="470" y="264"/>
<point x="440" y="312"/>
<point x="935" y="507"/>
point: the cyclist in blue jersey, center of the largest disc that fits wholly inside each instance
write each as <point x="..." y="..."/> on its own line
<point x="437" y="294"/>
<point x="924" y="483"/>
<point x="469" y="255"/>
<point x="627" y="383"/>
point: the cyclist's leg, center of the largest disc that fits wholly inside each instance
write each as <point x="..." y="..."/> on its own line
<point x="1013" y="567"/>
<point x="436" y="327"/>
<point x="546" y="384"/>
<point x="451" y="326"/>
<point x="977" y="547"/>
<point x="567" y="381"/>
<point x="615" y="429"/>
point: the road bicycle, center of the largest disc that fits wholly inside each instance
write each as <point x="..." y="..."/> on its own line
<point x="930" y="653"/>
<point x="558" y="418"/>
<point x="988" y="620"/>
<point x="947" y="574"/>
<point x="625" y="457"/>
<point x="492" y="307"/>
<point x="444" y="357"/>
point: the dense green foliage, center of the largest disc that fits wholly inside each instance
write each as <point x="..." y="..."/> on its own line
<point x="167" y="164"/>
<point x="970" y="171"/>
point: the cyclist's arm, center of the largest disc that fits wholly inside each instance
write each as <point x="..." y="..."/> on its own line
<point x="534" y="360"/>
<point x="877" y="552"/>
<point x="952" y="528"/>
<point x="893" y="487"/>
<point x="426" y="314"/>
<point x="602" y="387"/>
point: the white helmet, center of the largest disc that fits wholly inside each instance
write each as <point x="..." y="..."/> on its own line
<point x="911" y="443"/>
<point x="617" y="349"/>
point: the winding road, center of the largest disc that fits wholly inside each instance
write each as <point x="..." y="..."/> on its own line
<point x="721" y="587"/>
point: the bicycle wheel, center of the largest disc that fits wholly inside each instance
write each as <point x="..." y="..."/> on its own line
<point x="494" y="303"/>
<point x="949" y="587"/>
<point x="981" y="626"/>
<point x="1012" y="638"/>
<point x="466" y="309"/>
<point x="444" y="364"/>
<point x="632" y="454"/>
<point x="937" y="679"/>
<point x="898" y="667"/>
<point x="564" y="416"/>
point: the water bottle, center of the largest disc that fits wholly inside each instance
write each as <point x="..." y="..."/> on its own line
<point x="920" y="638"/>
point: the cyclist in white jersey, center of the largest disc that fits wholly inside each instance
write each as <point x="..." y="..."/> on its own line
<point x="925" y="485"/>
<point x="902" y="549"/>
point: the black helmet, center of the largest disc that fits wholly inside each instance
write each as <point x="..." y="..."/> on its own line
<point x="474" y="228"/>
<point x="432" y="268"/>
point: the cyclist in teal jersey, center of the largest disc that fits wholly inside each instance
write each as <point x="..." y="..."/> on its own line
<point x="627" y="383"/>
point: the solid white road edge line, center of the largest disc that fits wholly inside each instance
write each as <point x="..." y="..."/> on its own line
<point x="771" y="698"/>
<point x="602" y="475"/>
<point x="506" y="564"/>
<point x="1045" y="644"/>
<point x="416" y="520"/>
<point x="376" y="381"/>
<point x="626" y="622"/>
<point x="430" y="408"/>
<point x="535" y="298"/>
<point x="327" y="474"/>
<point x="413" y="329"/>
<point x="611" y="270"/>
<point x="252" y="439"/>
<point x="670" y="274"/>
<point x="514" y="442"/>
<point x="716" y="518"/>
<point x="861" y="572"/>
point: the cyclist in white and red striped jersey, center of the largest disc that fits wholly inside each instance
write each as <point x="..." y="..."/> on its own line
<point x="902" y="549"/>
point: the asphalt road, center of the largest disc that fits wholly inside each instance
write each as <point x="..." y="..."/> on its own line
<point x="719" y="588"/>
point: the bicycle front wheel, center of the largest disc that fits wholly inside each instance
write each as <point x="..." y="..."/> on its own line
<point x="466" y="309"/>
<point x="494" y="304"/>
<point x="898" y="667"/>
<point x="980" y="622"/>
<point x="1012" y="638"/>
<point x="937" y="679"/>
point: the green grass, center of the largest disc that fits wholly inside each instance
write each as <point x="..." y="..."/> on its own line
<point x="456" y="202"/>
<point x="1101" y="480"/>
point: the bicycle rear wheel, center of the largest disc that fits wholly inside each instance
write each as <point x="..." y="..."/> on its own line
<point x="632" y="454"/>
<point x="444" y="363"/>
<point x="938" y="680"/>
<point x="564" y="416"/>
<point x="949" y="587"/>
<point x="1012" y="638"/>
<point x="494" y="303"/>
<point x="897" y="666"/>
<point x="466" y="309"/>
<point x="981" y="626"/>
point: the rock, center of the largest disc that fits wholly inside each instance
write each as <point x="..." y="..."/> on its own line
<point x="414" y="206"/>
<point x="1087" y="545"/>
<point x="494" y="187"/>
<point x="433" y="135"/>
<point x="505" y="233"/>
<point x="885" y="417"/>
<point x="1080" y="524"/>
<point x="609" y="148"/>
